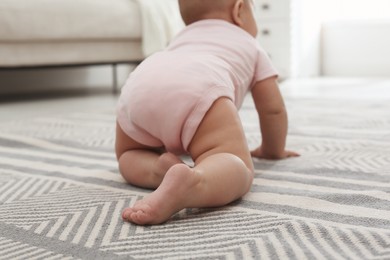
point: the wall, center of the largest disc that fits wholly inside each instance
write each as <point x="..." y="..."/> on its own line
<point x="306" y="28"/>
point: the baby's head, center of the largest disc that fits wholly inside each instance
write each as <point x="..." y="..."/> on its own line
<point x="238" y="12"/>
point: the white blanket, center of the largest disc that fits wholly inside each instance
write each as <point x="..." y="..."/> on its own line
<point x="161" y="21"/>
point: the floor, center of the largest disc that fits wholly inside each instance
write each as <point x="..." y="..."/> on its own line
<point x="345" y="88"/>
<point x="352" y="88"/>
<point x="61" y="194"/>
<point x="55" y="104"/>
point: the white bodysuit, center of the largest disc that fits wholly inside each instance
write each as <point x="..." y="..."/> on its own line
<point x="166" y="97"/>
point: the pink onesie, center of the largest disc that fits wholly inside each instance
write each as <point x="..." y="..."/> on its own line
<point x="166" y="97"/>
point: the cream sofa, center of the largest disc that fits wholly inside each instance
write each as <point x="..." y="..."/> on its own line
<point x="47" y="33"/>
<point x="69" y="32"/>
<point x="53" y="32"/>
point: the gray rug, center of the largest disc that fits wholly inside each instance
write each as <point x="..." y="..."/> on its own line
<point x="61" y="194"/>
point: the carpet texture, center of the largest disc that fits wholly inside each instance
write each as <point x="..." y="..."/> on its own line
<point x="61" y="194"/>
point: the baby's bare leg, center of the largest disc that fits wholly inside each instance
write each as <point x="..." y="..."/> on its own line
<point x="141" y="165"/>
<point x="223" y="170"/>
<point x="145" y="168"/>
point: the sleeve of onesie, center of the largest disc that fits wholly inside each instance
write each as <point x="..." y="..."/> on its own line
<point x="264" y="67"/>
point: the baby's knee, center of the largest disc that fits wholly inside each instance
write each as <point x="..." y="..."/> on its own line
<point x="249" y="175"/>
<point x="126" y="169"/>
<point x="123" y="170"/>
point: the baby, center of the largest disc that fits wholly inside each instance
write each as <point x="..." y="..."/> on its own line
<point x="185" y="100"/>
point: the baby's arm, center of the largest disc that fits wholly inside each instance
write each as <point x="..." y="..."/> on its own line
<point x="273" y="120"/>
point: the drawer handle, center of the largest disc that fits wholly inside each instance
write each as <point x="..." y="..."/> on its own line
<point x="265" y="32"/>
<point x="265" y="6"/>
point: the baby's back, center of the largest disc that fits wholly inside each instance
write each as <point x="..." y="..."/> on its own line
<point x="206" y="54"/>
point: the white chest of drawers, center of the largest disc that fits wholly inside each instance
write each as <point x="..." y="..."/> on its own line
<point x="274" y="32"/>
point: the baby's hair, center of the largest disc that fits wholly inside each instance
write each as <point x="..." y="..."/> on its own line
<point x="195" y="10"/>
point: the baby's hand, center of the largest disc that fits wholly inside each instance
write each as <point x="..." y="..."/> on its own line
<point x="259" y="153"/>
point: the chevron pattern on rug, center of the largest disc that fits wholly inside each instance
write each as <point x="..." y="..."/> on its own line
<point x="61" y="194"/>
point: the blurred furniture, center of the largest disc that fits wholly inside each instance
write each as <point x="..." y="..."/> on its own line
<point x="356" y="48"/>
<point x="274" y="32"/>
<point x="49" y="33"/>
<point x="290" y="31"/>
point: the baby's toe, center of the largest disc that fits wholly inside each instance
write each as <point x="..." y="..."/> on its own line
<point x="126" y="214"/>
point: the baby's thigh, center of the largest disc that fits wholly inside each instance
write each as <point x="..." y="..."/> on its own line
<point x="124" y="143"/>
<point x="220" y="131"/>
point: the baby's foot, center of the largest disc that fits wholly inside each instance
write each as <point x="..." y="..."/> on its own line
<point x="173" y="195"/>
